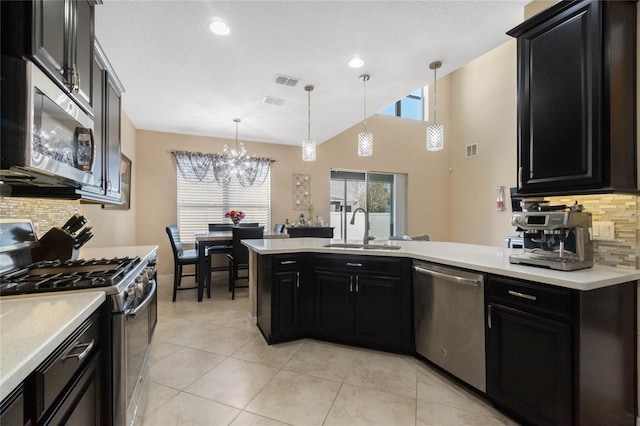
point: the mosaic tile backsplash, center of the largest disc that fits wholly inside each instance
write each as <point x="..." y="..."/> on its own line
<point x="623" y="211"/>
<point x="45" y="214"/>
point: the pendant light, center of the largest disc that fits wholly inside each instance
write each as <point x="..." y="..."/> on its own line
<point x="365" y="139"/>
<point x="309" y="145"/>
<point x="435" y="131"/>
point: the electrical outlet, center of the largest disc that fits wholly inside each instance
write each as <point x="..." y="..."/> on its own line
<point x="604" y="231"/>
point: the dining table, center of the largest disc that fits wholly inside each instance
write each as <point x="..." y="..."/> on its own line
<point x="205" y="240"/>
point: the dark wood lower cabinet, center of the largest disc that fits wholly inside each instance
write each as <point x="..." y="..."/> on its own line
<point x="364" y="301"/>
<point x="12" y="410"/>
<point x="325" y="297"/>
<point x="529" y="367"/>
<point x="334" y="305"/>
<point x="285" y="298"/>
<point x="82" y="405"/>
<point x="557" y="356"/>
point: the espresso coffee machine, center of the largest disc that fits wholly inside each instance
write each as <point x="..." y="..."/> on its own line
<point x="556" y="237"/>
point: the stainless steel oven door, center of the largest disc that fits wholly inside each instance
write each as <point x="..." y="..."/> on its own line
<point x="138" y="338"/>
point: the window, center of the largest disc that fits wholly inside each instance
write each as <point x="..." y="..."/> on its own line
<point x="202" y="203"/>
<point x="382" y="194"/>
<point x="411" y="106"/>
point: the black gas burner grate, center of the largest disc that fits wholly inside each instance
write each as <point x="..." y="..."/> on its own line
<point x="56" y="275"/>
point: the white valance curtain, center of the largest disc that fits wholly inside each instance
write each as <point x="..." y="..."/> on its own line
<point x="220" y="168"/>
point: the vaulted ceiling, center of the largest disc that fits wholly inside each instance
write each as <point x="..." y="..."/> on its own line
<point x="180" y="77"/>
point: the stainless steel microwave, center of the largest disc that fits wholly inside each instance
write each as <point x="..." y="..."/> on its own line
<point x="46" y="136"/>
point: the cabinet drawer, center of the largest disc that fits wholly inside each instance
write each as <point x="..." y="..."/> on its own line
<point x="369" y="264"/>
<point x="532" y="297"/>
<point x="287" y="263"/>
<point x="59" y="370"/>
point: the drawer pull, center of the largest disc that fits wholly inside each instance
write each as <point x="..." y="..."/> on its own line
<point x="87" y="349"/>
<point x="354" y="264"/>
<point x="522" y="295"/>
<point x="288" y="262"/>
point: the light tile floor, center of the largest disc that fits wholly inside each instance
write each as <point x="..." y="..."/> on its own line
<point x="211" y="366"/>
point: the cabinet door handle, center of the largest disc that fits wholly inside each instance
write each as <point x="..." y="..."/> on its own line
<point x="297" y="279"/>
<point x="75" y="80"/>
<point x="351" y="284"/>
<point x="489" y="308"/>
<point x="354" y="264"/>
<point x="522" y="295"/>
<point x="357" y="283"/>
<point x="520" y="178"/>
<point x="87" y="348"/>
<point x="288" y="262"/>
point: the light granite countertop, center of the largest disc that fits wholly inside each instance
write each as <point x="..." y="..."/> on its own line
<point x="32" y="327"/>
<point x="494" y="260"/>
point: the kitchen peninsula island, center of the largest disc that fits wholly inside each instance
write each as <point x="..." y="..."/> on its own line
<point x="560" y="346"/>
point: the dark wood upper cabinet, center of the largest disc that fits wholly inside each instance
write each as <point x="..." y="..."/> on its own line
<point x="576" y="99"/>
<point x="58" y="36"/>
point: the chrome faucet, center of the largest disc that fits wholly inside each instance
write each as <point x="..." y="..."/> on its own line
<point x="366" y="238"/>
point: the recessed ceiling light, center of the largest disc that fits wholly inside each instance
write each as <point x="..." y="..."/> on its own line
<point x="355" y="62"/>
<point x="219" y="27"/>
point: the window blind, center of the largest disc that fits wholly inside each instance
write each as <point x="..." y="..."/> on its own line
<point x="202" y="203"/>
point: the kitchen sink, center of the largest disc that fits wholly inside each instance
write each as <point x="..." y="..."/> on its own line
<point x="363" y="246"/>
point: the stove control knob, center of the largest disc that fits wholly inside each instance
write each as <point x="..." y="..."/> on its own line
<point x="131" y="293"/>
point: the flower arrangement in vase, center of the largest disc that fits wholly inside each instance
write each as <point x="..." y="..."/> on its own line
<point x="235" y="215"/>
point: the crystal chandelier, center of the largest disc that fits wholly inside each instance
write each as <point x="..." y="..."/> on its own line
<point x="435" y="131"/>
<point x="309" y="145"/>
<point x="365" y="139"/>
<point x="235" y="162"/>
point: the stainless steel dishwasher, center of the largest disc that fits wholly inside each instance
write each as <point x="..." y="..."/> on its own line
<point x="449" y="320"/>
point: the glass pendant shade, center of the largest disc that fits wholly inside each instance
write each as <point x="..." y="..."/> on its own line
<point x="309" y="150"/>
<point x="435" y="137"/>
<point x="308" y="144"/>
<point x="365" y="139"/>
<point x="435" y="131"/>
<point x="365" y="144"/>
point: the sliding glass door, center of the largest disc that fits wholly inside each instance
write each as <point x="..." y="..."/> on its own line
<point x="381" y="194"/>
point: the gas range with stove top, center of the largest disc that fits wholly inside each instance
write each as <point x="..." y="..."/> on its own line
<point x="58" y="275"/>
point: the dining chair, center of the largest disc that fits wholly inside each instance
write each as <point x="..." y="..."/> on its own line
<point x="220" y="227"/>
<point x="219" y="248"/>
<point x="181" y="258"/>
<point x="278" y="228"/>
<point x="239" y="257"/>
<point x="248" y="224"/>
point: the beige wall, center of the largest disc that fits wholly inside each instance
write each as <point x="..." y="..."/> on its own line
<point x="483" y="111"/>
<point x="156" y="182"/>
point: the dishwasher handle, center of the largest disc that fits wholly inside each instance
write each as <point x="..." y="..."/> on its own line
<point x="454" y="278"/>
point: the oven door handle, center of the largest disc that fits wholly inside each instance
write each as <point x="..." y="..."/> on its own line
<point x="133" y="313"/>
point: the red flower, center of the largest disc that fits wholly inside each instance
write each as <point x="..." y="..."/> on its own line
<point x="234" y="215"/>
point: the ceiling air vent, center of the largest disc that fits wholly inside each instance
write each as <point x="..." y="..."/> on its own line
<point x="272" y="100"/>
<point x="472" y="150"/>
<point x="286" y="81"/>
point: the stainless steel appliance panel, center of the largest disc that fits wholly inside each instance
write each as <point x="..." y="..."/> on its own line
<point x="43" y="130"/>
<point x="449" y="320"/>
